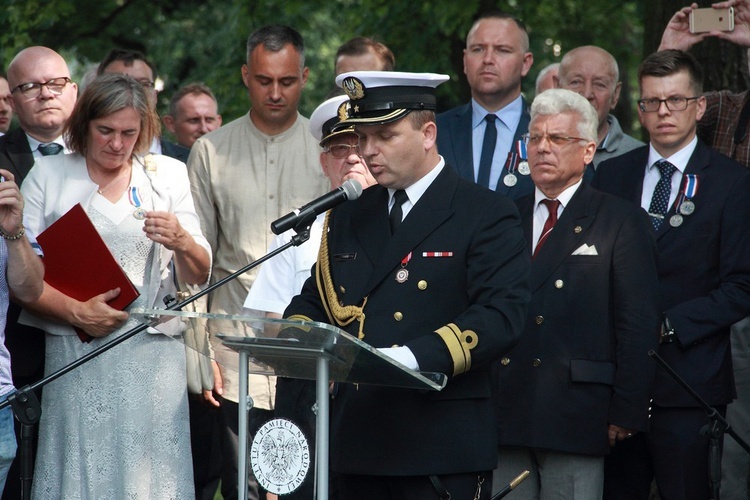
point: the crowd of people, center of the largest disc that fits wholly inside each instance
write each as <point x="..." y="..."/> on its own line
<point x="528" y="249"/>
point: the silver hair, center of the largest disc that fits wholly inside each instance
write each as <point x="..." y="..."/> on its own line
<point x="556" y="101"/>
<point x="545" y="71"/>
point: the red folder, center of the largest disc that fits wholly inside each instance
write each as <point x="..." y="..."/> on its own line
<point x="78" y="263"/>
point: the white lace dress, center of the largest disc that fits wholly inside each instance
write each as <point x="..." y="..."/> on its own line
<point x="116" y="427"/>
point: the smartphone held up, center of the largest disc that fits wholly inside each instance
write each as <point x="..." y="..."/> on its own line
<point x="706" y="20"/>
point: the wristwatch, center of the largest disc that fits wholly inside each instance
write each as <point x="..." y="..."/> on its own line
<point x="667" y="332"/>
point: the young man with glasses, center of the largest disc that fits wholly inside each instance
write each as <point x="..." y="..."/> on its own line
<point x="697" y="201"/>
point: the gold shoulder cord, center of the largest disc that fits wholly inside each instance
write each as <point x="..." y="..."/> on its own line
<point x="341" y="315"/>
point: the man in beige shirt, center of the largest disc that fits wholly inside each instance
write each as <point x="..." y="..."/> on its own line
<point x="245" y="175"/>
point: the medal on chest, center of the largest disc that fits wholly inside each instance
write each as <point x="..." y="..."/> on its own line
<point x="134" y="195"/>
<point x="403" y="274"/>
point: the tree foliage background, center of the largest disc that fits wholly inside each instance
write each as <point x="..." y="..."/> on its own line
<point x="199" y="40"/>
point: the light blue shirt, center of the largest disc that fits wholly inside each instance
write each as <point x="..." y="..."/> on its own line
<point x="506" y="124"/>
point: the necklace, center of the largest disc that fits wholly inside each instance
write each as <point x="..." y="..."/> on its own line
<point x="113" y="183"/>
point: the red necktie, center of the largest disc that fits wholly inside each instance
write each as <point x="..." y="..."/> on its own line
<point x="548" y="224"/>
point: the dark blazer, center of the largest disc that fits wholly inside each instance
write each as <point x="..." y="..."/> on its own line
<point x="704" y="270"/>
<point x="454" y="144"/>
<point x="175" y="151"/>
<point x="481" y="289"/>
<point x="582" y="362"/>
<point x="25" y="343"/>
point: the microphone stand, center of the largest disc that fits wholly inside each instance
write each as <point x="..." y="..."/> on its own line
<point x="715" y="429"/>
<point x="25" y="403"/>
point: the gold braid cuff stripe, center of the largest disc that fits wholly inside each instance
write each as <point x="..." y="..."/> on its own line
<point x="459" y="343"/>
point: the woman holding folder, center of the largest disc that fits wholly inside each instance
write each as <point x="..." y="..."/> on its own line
<point x="116" y="427"/>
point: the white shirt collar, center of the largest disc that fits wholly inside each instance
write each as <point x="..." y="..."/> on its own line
<point x="563" y="198"/>
<point x="416" y="190"/>
<point x="34" y="145"/>
<point x="679" y="159"/>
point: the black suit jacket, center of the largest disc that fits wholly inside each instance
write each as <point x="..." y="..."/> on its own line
<point x="481" y="289"/>
<point x="455" y="145"/>
<point x="25" y="343"/>
<point x="704" y="270"/>
<point x="175" y="151"/>
<point x="581" y="363"/>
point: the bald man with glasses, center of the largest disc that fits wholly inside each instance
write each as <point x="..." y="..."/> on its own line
<point x="42" y="95"/>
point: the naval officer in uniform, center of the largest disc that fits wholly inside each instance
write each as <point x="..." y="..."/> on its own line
<point x="433" y="270"/>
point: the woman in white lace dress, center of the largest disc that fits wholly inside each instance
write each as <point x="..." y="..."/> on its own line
<point x="116" y="427"/>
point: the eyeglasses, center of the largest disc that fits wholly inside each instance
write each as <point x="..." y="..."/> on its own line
<point x="33" y="89"/>
<point x="340" y="151"/>
<point x="557" y="140"/>
<point x="672" y="104"/>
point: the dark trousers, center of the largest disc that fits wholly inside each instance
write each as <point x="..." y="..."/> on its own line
<point x="205" y="444"/>
<point x="459" y="486"/>
<point x="674" y="451"/>
<point x="230" y="447"/>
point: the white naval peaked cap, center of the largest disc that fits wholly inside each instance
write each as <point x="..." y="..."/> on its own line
<point x="326" y="116"/>
<point x="377" y="97"/>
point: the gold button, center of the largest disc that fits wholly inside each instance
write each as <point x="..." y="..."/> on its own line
<point x="342" y="289"/>
<point x="536" y="362"/>
<point x="398" y="316"/>
<point x="422" y="285"/>
<point x="558" y="283"/>
<point x="505" y="361"/>
<point x="577" y="229"/>
<point x="539" y="320"/>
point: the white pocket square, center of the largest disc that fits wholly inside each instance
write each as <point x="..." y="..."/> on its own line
<point x="585" y="250"/>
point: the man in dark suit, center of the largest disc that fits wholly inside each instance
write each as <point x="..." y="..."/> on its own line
<point x="482" y="139"/>
<point x="442" y="283"/>
<point x="135" y="64"/>
<point x="42" y="97"/>
<point x="579" y="379"/>
<point x="697" y="200"/>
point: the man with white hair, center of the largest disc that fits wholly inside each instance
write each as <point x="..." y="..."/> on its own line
<point x="592" y="72"/>
<point x="546" y="78"/>
<point x="578" y="381"/>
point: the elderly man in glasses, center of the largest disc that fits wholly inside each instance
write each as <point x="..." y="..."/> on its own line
<point x="697" y="201"/>
<point x="578" y="381"/>
<point x="42" y="97"/>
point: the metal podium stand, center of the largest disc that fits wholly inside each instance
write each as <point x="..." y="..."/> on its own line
<point x="303" y="350"/>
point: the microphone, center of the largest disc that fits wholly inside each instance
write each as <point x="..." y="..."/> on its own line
<point x="349" y="190"/>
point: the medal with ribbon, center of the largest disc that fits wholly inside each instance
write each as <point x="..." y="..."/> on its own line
<point x="510" y="179"/>
<point x="523" y="165"/>
<point x="403" y="274"/>
<point x="134" y="196"/>
<point x="685" y="204"/>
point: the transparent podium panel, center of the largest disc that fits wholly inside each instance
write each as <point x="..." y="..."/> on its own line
<point x="290" y="349"/>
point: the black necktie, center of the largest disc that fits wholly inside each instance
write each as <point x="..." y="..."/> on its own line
<point x="488" y="150"/>
<point x="397" y="213"/>
<point x="660" y="199"/>
<point x="50" y="149"/>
